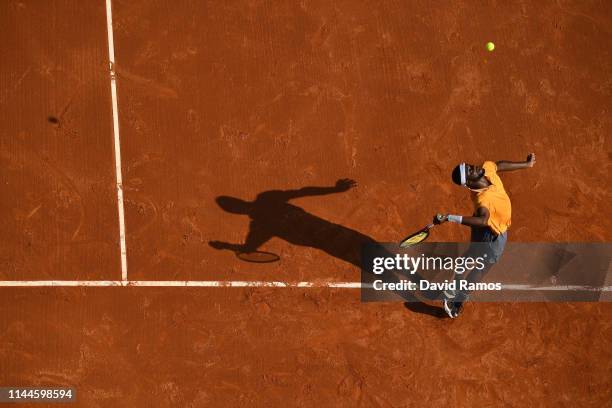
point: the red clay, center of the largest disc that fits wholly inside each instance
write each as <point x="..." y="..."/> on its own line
<point x="240" y="99"/>
<point x="58" y="211"/>
<point x="268" y="347"/>
<point x="245" y="98"/>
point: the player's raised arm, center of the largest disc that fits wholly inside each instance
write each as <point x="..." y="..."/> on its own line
<point x="340" y="186"/>
<point x="504" y="165"/>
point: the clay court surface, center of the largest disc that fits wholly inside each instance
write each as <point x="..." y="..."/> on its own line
<point x="259" y="101"/>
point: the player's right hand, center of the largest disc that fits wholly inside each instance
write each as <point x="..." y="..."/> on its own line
<point x="218" y="244"/>
<point x="440" y="219"/>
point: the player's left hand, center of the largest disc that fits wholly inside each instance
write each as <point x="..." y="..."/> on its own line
<point x="531" y="159"/>
<point x="345" y="184"/>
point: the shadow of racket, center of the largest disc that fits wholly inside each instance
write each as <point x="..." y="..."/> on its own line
<point x="258" y="256"/>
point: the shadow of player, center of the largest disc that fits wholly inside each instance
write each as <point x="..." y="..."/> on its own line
<point x="273" y="216"/>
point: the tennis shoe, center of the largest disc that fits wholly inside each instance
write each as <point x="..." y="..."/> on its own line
<point x="452" y="309"/>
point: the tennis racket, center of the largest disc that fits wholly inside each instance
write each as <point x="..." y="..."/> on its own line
<point x="419" y="236"/>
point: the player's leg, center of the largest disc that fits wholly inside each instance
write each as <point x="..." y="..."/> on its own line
<point x="479" y="237"/>
<point x="493" y="248"/>
<point x="485" y="243"/>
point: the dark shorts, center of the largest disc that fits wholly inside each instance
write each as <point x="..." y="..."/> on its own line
<point x="494" y="244"/>
<point x="484" y="243"/>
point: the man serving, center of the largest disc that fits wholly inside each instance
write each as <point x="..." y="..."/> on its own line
<point x="490" y="221"/>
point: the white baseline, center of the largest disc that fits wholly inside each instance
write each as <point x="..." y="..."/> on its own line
<point x="251" y="284"/>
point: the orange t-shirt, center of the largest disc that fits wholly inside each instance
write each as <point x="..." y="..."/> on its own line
<point x="495" y="199"/>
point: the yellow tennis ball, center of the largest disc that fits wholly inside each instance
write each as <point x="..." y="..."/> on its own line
<point x="490" y="46"/>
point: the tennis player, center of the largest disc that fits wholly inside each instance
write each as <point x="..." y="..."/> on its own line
<point x="490" y="221"/>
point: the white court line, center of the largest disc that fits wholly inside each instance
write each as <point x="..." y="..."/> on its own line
<point x="206" y="284"/>
<point x="113" y="84"/>
<point x="255" y="284"/>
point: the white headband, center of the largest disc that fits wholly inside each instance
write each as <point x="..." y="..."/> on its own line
<point x="462" y="172"/>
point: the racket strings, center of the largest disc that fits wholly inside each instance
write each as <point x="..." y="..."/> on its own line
<point x="414" y="239"/>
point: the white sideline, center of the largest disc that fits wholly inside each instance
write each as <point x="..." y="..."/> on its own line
<point x="209" y="284"/>
<point x="255" y="284"/>
<point x="113" y="84"/>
